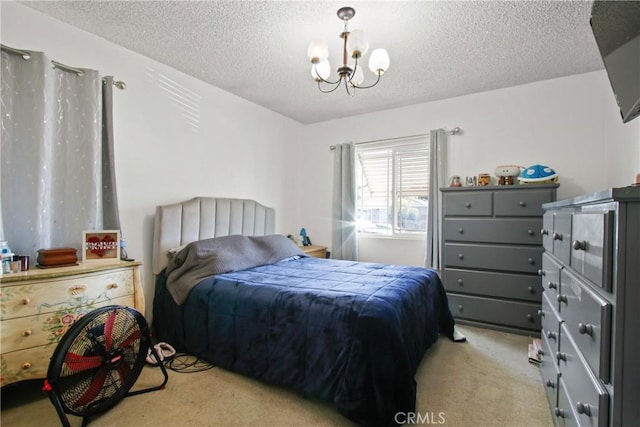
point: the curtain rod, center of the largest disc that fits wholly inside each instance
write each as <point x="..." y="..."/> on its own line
<point x="27" y="55"/>
<point x="456" y="130"/>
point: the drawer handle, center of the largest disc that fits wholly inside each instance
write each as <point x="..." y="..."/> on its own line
<point x="551" y="335"/>
<point x="460" y="230"/>
<point x="460" y="308"/>
<point x="522" y="203"/>
<point x="26" y="365"/>
<point x="26" y="332"/>
<point x="460" y="256"/>
<point x="552" y="285"/>
<point x="583" y="408"/>
<point x="530" y="318"/>
<point x="580" y="245"/>
<point x="460" y="282"/>
<point x="559" y="412"/>
<point x="561" y="356"/>
<point x="585" y="329"/>
<point x="531" y="261"/>
<point x="77" y="290"/>
<point x="530" y="232"/>
<point x="541" y="273"/>
<point x="467" y="205"/>
<point x="112" y="286"/>
<point x="540" y="313"/>
<point x="25" y="301"/>
<point x="544" y="232"/>
<point x="562" y="298"/>
<point x="531" y="290"/>
<point x="551" y="384"/>
<point x="556" y="236"/>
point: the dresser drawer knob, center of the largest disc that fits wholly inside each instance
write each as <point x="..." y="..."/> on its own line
<point x="531" y="261"/>
<point x="77" y="290"/>
<point x="561" y="356"/>
<point x="530" y="318"/>
<point x="544" y="232"/>
<point x="585" y="329"/>
<point x="556" y="236"/>
<point x="579" y="245"/>
<point x="26" y="365"/>
<point x="584" y="409"/>
<point x="531" y="290"/>
<point x="530" y="232"/>
<point x="112" y="286"/>
<point x="460" y="282"/>
<point x="25" y="301"/>
<point x="522" y="203"/>
<point x="467" y="205"/>
<point x="552" y="285"/>
<point x="460" y="230"/>
<point x="460" y="307"/>
<point x="26" y="332"/>
<point x="551" y="335"/>
<point x="551" y="384"/>
<point x="559" y="412"/>
<point x="562" y="298"/>
<point x="540" y="313"/>
<point x="460" y="256"/>
<point x="541" y="273"/>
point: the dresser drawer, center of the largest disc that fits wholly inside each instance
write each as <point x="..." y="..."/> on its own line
<point x="521" y="203"/>
<point x="26" y="332"/>
<point x="517" y="230"/>
<point x="561" y="236"/>
<point x="26" y="364"/>
<point x="489" y="283"/>
<point x="493" y="257"/>
<point x="549" y="372"/>
<point x="588" y="398"/>
<point x="591" y="249"/>
<point x="547" y="231"/>
<point x="587" y="317"/>
<point x="45" y="297"/>
<point x="468" y="204"/>
<point x="500" y="312"/>
<point x="550" y="277"/>
<point x="550" y="324"/>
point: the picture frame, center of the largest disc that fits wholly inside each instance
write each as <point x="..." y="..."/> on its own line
<point x="100" y="245"/>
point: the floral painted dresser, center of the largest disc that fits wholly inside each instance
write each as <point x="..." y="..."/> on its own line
<point x="39" y="305"/>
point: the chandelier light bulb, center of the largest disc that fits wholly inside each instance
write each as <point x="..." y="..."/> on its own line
<point x="379" y="61"/>
<point x="318" y="51"/>
<point x="321" y="69"/>
<point x="358" y="77"/>
<point x="357" y="43"/>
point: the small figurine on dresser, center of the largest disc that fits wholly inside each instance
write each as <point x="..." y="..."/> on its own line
<point x="507" y="174"/>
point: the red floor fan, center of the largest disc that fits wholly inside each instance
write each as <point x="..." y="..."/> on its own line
<point x="97" y="361"/>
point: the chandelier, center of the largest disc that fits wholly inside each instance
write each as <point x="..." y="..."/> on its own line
<point x="355" y="45"/>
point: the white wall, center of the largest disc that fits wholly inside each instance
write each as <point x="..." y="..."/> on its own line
<point x="225" y="146"/>
<point x="571" y="124"/>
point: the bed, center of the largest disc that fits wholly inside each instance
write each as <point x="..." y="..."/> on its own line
<point x="350" y="333"/>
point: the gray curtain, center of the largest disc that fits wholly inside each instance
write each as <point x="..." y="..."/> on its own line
<point x="111" y="215"/>
<point x="343" y="239"/>
<point x="52" y="154"/>
<point x="437" y="162"/>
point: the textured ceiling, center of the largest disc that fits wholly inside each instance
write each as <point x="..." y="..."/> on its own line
<point x="257" y="49"/>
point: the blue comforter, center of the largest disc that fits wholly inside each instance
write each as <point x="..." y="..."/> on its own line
<point x="346" y="332"/>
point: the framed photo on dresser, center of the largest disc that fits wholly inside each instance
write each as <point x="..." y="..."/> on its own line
<point x="100" y="245"/>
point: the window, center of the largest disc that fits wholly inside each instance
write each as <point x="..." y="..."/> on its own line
<point x="392" y="187"/>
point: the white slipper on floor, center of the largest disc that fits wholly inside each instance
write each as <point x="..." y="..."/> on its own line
<point x="163" y="350"/>
<point x="458" y="337"/>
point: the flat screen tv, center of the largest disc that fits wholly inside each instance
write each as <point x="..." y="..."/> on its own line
<point x="616" y="28"/>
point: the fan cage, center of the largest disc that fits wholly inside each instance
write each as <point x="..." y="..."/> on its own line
<point x="98" y="360"/>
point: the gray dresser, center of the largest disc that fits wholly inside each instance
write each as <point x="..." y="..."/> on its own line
<point x="591" y="308"/>
<point x="492" y="254"/>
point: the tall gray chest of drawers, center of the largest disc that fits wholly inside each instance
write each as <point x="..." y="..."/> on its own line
<point x="591" y="308"/>
<point x="492" y="254"/>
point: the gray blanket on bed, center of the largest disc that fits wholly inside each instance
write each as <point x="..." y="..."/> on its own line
<point x="205" y="258"/>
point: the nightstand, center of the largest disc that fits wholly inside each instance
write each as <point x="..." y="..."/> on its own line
<point x="39" y="305"/>
<point x="315" y="250"/>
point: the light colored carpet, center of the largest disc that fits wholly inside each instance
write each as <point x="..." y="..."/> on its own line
<point x="486" y="381"/>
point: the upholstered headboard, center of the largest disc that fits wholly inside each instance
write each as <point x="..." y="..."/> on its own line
<point x="205" y="217"/>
